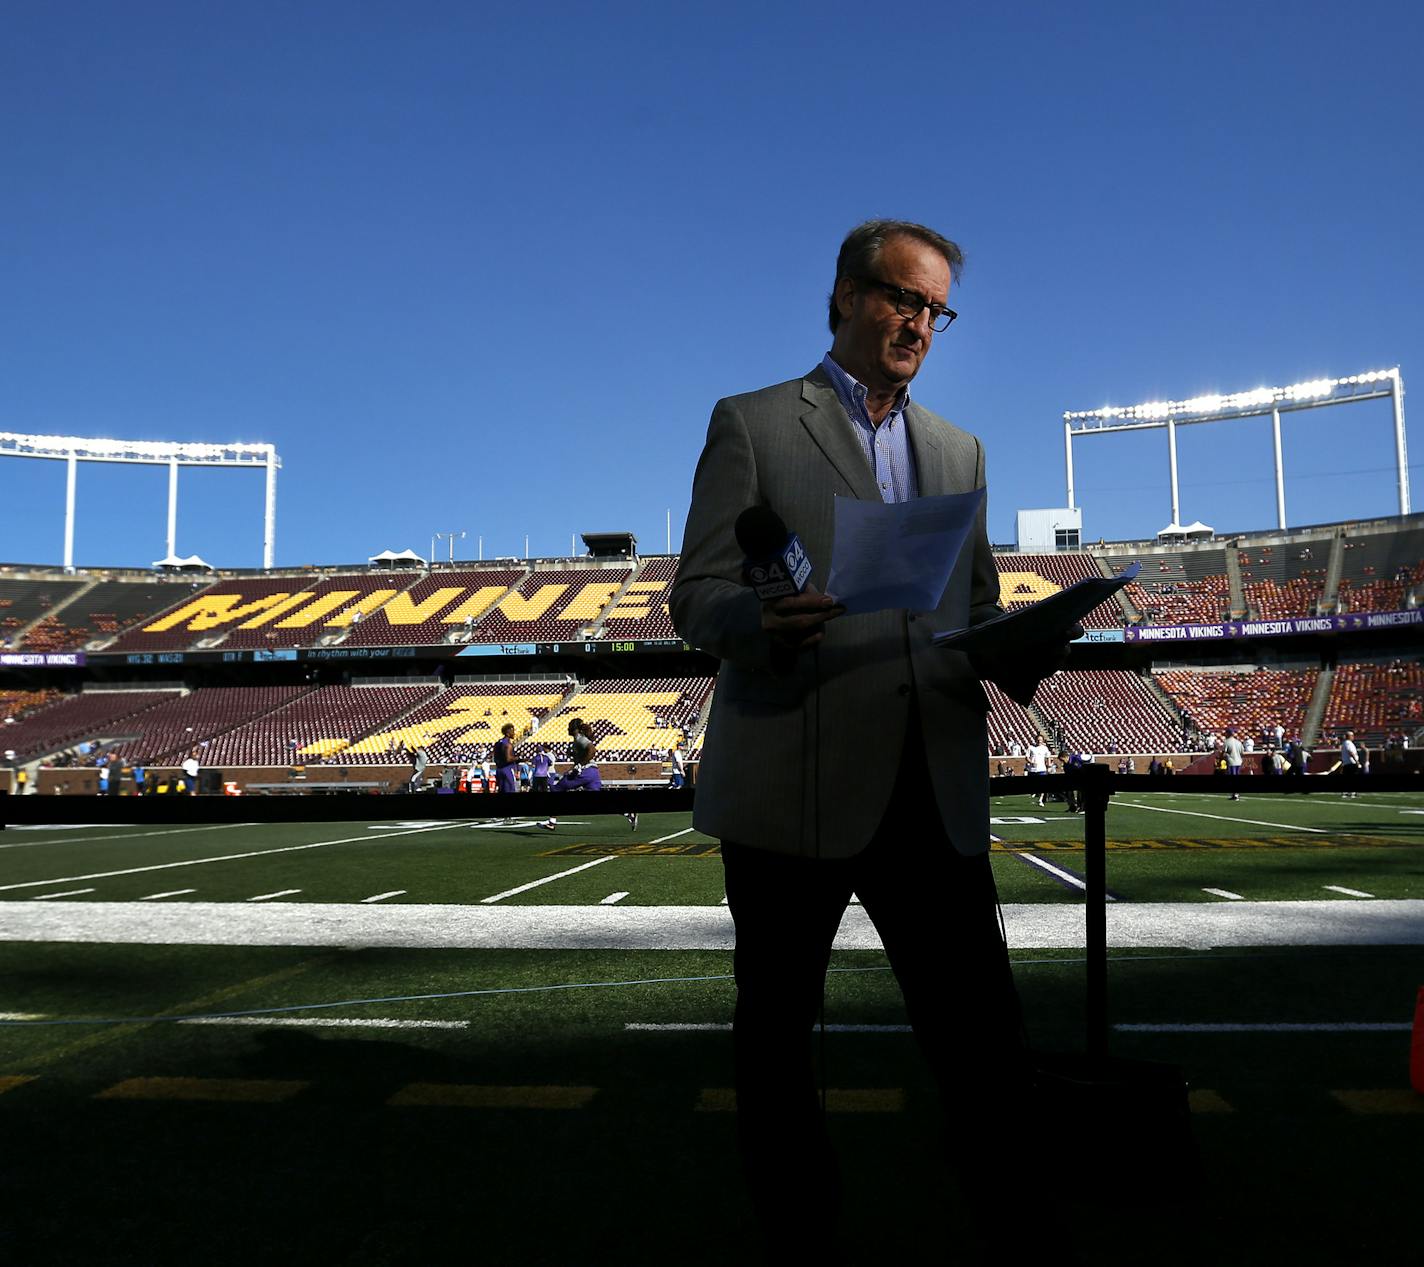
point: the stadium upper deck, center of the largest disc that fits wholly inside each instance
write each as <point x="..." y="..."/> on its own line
<point x="1335" y="570"/>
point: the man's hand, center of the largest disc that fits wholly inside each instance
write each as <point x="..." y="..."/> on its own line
<point x="1019" y="677"/>
<point x="799" y="621"/>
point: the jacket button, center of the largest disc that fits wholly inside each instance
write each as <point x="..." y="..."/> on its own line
<point x="903" y="688"/>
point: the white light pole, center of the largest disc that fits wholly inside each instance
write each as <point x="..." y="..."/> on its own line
<point x="451" y="536"/>
<point x="1258" y="402"/>
<point x="72" y="450"/>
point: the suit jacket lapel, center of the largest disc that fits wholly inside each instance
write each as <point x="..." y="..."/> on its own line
<point x="939" y="467"/>
<point x="825" y="419"/>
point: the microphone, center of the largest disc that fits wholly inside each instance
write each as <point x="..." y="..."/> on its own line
<point x="776" y="565"/>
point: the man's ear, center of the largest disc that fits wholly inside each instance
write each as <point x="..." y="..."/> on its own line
<point x="845" y="296"/>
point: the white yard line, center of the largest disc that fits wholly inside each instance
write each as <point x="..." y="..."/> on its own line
<point x="231" y="857"/>
<point x="1340" y="888"/>
<point x="1226" y="893"/>
<point x="128" y="835"/>
<point x="23" y="1016"/>
<point x="44" y="897"/>
<point x="1065" y="876"/>
<point x="1225" y="818"/>
<point x="264" y="897"/>
<point x="548" y="879"/>
<point x="381" y="897"/>
<point x="664" y="839"/>
<point x="324" y="1022"/>
<point x="153" y="897"/>
<point x="613" y="897"/>
<point x="1320" y="1027"/>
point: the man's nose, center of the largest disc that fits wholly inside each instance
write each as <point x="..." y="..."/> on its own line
<point x="920" y="323"/>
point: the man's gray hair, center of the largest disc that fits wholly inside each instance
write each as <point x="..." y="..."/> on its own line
<point x="860" y="252"/>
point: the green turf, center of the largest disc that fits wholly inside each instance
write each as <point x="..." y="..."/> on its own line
<point x="641" y="1176"/>
<point x="1165" y="847"/>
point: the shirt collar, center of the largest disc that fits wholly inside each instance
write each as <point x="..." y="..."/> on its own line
<point x="852" y="393"/>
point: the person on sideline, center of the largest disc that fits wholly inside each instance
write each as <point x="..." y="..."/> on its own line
<point x="1231" y="752"/>
<point x="506" y="769"/>
<point x="1036" y="762"/>
<point x="583" y="774"/>
<point x="901" y="822"/>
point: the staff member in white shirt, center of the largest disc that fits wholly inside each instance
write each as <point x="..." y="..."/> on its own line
<point x="1036" y="762"/>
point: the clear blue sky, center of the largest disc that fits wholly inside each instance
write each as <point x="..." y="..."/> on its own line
<point x="487" y="268"/>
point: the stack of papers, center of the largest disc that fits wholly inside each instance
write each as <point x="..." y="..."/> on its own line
<point x="1044" y="621"/>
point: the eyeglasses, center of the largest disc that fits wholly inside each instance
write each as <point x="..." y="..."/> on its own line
<point x="910" y="303"/>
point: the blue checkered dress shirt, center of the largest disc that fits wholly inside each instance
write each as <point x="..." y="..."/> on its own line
<point x="886" y="446"/>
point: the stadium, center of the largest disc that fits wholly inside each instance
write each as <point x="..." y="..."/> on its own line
<point x="309" y="1001"/>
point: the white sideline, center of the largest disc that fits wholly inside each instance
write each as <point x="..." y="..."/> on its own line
<point x="89" y="840"/>
<point x="1225" y="818"/>
<point x="231" y="857"/>
<point x="323" y="1022"/>
<point x="1059" y="872"/>
<point x="1195" y="925"/>
<point x="548" y="879"/>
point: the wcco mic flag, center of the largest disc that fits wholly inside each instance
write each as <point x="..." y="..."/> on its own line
<point x="898" y="554"/>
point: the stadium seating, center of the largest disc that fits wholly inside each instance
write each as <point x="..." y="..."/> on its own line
<point x="624" y="713"/>
<point x="23" y="601"/>
<point x="459" y="725"/>
<point x="102" y="612"/>
<point x="173" y="729"/>
<point x="1105" y="710"/>
<point x="1376" y="700"/>
<point x="1252" y="702"/>
<point x="553" y="606"/>
<point x="15" y="706"/>
<point x="1381" y="571"/>
<point x="211" y="612"/>
<point x="1009" y="723"/>
<point x="73" y="719"/>
<point x="325" y="610"/>
<point x="316" y="726"/>
<point x="435" y="609"/>
<point x="1283" y="580"/>
<point x="1022" y="580"/>
<point x="1187" y="587"/>
<point x="642" y="611"/>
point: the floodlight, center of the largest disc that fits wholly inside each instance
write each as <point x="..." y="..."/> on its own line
<point x="1254" y="402"/>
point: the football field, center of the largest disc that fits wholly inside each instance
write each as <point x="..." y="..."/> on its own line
<point x="431" y="1040"/>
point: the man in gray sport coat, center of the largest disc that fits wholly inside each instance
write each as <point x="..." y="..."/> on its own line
<point x="845" y="753"/>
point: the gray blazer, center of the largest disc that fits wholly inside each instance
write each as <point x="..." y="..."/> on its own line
<point x="803" y="761"/>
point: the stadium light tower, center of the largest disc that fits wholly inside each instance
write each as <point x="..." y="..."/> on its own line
<point x="75" y="449"/>
<point x="1258" y="403"/>
<point x="452" y="537"/>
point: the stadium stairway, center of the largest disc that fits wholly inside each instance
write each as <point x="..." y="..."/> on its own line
<point x="1315" y="711"/>
<point x="1169" y="705"/>
<point x="1235" y="589"/>
<point x="1330" y="598"/>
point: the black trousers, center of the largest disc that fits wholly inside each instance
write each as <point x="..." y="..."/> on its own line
<point x="936" y="915"/>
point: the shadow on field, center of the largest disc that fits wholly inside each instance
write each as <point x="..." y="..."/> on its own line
<point x="639" y="1175"/>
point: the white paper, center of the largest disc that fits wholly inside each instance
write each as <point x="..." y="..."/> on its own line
<point x="898" y="554"/>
